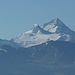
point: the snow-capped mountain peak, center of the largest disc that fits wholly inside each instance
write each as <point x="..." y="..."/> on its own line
<point x="37" y="29"/>
<point x="57" y="26"/>
<point x="57" y="22"/>
<point x="53" y="30"/>
<point x="35" y="36"/>
<point x="53" y="25"/>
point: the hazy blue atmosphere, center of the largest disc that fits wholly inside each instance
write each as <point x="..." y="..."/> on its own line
<point x="18" y="16"/>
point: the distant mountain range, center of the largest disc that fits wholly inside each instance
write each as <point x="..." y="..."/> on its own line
<point x="48" y="49"/>
<point x="53" y="30"/>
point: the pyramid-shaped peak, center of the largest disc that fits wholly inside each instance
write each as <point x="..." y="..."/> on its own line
<point x="53" y="23"/>
<point x="36" y="28"/>
<point x="56" y="21"/>
<point x="56" y="26"/>
<point x="36" y="25"/>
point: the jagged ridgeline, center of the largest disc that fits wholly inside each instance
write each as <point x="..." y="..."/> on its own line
<point x="53" y="30"/>
<point x="47" y="49"/>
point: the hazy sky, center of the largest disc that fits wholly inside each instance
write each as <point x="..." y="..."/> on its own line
<point x="18" y="16"/>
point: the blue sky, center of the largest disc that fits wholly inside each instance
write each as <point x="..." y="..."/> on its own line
<point x="18" y="16"/>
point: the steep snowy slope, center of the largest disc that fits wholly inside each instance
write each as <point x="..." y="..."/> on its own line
<point x="35" y="36"/>
<point x="58" y="27"/>
<point x="53" y="30"/>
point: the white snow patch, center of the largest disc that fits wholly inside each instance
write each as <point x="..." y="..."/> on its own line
<point x="51" y="28"/>
<point x="28" y="41"/>
<point x="28" y="32"/>
<point x="3" y="50"/>
<point x="46" y="43"/>
<point x="36" y="25"/>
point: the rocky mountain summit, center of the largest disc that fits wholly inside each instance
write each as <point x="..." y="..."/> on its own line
<point x="53" y="30"/>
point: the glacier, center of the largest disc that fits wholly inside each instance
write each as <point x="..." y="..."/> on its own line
<point x="53" y="30"/>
